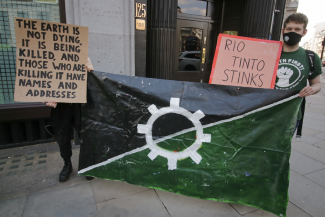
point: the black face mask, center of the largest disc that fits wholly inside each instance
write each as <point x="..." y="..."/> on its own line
<point x="291" y="38"/>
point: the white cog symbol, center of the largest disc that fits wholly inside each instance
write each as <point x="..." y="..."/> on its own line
<point x="190" y="151"/>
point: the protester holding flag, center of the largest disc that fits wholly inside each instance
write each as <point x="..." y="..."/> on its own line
<point x="214" y="142"/>
<point x="294" y="68"/>
<point x="63" y="117"/>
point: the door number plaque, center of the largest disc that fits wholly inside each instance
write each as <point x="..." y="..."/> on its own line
<point x="140" y="24"/>
<point x="140" y="12"/>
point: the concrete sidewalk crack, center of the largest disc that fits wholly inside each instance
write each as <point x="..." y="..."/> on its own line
<point x="308" y="178"/>
<point x="313" y="171"/>
<point x="107" y="200"/>
<point x="162" y="202"/>
<point x="299" y="208"/>
<point x="23" y="210"/>
<point x="308" y="155"/>
<point x="92" y="189"/>
<point x="236" y="209"/>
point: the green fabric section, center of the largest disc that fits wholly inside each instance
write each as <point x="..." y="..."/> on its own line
<point x="247" y="162"/>
<point x="293" y="71"/>
<point x="179" y="143"/>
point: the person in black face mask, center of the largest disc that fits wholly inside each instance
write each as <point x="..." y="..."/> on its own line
<point x="294" y="70"/>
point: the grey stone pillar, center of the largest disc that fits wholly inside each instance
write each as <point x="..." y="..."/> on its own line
<point x="111" y="32"/>
<point x="161" y="39"/>
<point x="257" y="18"/>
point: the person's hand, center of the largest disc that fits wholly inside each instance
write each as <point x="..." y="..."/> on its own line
<point x="307" y="91"/>
<point x="51" y="104"/>
<point x="315" y="87"/>
<point x="89" y="65"/>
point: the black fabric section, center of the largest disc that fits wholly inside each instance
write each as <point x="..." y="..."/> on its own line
<point x="302" y="108"/>
<point x="116" y="104"/>
<point x="173" y="123"/>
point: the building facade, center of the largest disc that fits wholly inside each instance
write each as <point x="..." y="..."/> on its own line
<point x="290" y="8"/>
<point x="316" y="42"/>
<point x="167" y="39"/>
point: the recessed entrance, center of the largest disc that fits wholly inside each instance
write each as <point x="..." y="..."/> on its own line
<point x="195" y="46"/>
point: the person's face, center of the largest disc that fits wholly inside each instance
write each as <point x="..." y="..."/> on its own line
<point x="295" y="27"/>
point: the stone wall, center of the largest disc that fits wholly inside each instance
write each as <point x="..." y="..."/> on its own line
<point x="111" y="32"/>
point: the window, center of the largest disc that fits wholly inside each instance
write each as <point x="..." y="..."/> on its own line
<point x="190" y="39"/>
<point x="197" y="7"/>
<point x="193" y="56"/>
<point x="47" y="10"/>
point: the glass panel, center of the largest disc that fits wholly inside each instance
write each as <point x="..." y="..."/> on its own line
<point x="47" y="10"/>
<point x="197" y="7"/>
<point x="214" y="9"/>
<point x="190" y="49"/>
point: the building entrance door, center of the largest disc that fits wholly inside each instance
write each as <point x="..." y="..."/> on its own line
<point x="195" y="50"/>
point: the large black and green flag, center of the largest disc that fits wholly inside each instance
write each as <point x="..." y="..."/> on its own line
<point x="213" y="142"/>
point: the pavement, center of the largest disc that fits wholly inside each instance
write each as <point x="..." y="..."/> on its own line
<point x="29" y="183"/>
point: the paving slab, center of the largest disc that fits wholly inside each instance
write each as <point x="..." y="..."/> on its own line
<point x="310" y="132"/>
<point x="316" y="106"/>
<point x="316" y="100"/>
<point x="320" y="144"/>
<point x="303" y="164"/>
<point x="12" y="208"/>
<point x="318" y="95"/>
<point x="242" y="209"/>
<point x="142" y="204"/>
<point x="180" y="206"/>
<point x="105" y="190"/>
<point x="73" y="181"/>
<point x="32" y="167"/>
<point x="318" y="177"/>
<point x="316" y="110"/>
<point x="320" y="135"/>
<point x="309" y="150"/>
<point x="313" y="121"/>
<point x="306" y="195"/>
<point x="309" y="139"/>
<point x="314" y="127"/>
<point x="70" y="201"/>
<point x="260" y="213"/>
<point x="12" y="195"/>
<point x="315" y="116"/>
<point x="292" y="211"/>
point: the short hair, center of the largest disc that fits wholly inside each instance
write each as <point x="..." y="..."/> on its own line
<point x="297" y="18"/>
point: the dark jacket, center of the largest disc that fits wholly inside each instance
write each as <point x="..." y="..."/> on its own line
<point x="65" y="115"/>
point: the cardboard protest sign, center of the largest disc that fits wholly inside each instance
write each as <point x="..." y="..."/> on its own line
<point x="246" y="62"/>
<point x="50" y="61"/>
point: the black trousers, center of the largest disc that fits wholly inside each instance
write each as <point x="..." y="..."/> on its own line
<point x="63" y="118"/>
<point x="63" y="137"/>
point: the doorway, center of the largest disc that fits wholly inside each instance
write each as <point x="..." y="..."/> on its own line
<point x="195" y="46"/>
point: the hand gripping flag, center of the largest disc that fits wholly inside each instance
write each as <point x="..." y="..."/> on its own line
<point x="213" y="142"/>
